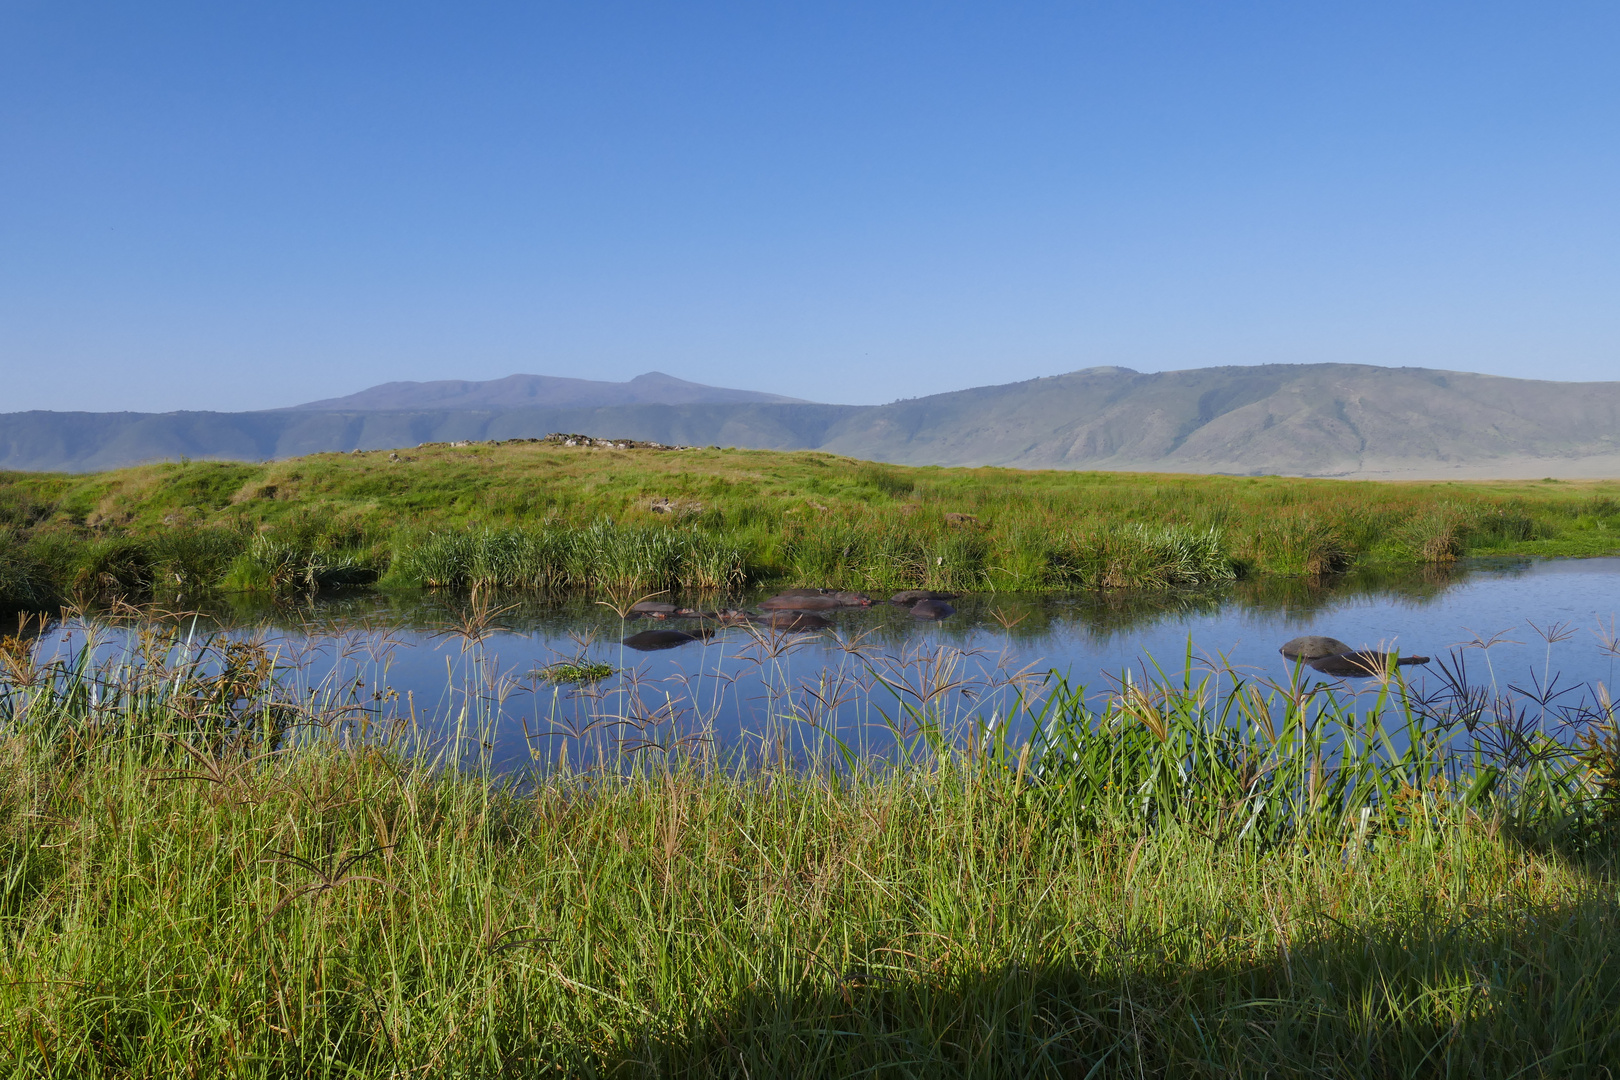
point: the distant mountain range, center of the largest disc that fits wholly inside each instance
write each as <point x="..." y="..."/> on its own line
<point x="1347" y="420"/>
<point x="540" y="391"/>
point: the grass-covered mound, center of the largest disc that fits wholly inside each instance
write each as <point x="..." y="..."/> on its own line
<point x="538" y="515"/>
<point x="206" y="873"/>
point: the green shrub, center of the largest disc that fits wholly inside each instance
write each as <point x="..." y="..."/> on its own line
<point x="603" y="557"/>
<point x="279" y="564"/>
<point x="114" y="566"/>
<point x="24" y="583"/>
<point x="1436" y="536"/>
<point x="885" y="480"/>
<point x="1142" y="557"/>
<point x="1300" y="543"/>
<point x="193" y="559"/>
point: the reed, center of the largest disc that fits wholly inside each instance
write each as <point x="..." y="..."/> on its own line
<point x="1139" y="556"/>
<point x="604" y="557"/>
<point x="218" y="864"/>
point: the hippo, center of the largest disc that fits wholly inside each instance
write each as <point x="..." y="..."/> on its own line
<point x="818" y="602"/>
<point x="653" y="609"/>
<point x="911" y="596"/>
<point x="931" y="609"/>
<point x="1359" y="665"/>
<point x="1312" y="647"/>
<point x="805" y="600"/>
<point x="794" y="620"/>
<point x="728" y="616"/>
<point x="652" y="640"/>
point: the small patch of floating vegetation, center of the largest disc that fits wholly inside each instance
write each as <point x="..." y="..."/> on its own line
<point x="575" y="671"/>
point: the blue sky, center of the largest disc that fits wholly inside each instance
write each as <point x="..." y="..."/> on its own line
<point x="234" y="206"/>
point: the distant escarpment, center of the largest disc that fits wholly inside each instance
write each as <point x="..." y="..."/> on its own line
<point x="1346" y="420"/>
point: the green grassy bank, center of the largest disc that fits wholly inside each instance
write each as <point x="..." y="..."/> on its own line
<point x="1167" y="883"/>
<point x="536" y="515"/>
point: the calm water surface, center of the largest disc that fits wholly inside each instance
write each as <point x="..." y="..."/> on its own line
<point x="862" y="674"/>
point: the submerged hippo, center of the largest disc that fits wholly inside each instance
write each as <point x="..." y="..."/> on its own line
<point x="1359" y="665"/>
<point x="728" y="616"/>
<point x="1312" y="647"/>
<point x="807" y="600"/>
<point x="911" y="596"/>
<point x="794" y="620"/>
<point x="931" y="609"/>
<point x="653" y="609"/>
<point x="653" y="640"/>
<point x="784" y="602"/>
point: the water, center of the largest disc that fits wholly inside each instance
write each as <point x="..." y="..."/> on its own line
<point x="1521" y="625"/>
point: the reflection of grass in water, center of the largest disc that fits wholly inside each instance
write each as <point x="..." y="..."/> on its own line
<point x="1102" y="613"/>
<point x="1310" y="594"/>
<point x="1168" y="883"/>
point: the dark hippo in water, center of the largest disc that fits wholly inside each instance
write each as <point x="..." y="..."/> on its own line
<point x="818" y="602"/>
<point x="1312" y="647"/>
<point x="931" y="609"/>
<point x="729" y="616"/>
<point x="911" y="596"/>
<point x="653" y="640"/>
<point x="805" y="600"/>
<point x="654" y="609"/>
<point x="1360" y="665"/>
<point x="794" y="620"/>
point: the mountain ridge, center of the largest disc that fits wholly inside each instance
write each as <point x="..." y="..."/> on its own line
<point x="541" y="391"/>
<point x="1334" y="420"/>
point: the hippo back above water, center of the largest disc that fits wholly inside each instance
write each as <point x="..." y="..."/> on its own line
<point x="801" y="600"/>
<point x="1362" y="664"/>
<point x="794" y="620"/>
<point x="653" y="640"/>
<point x="909" y="597"/>
<point x="1313" y="647"/>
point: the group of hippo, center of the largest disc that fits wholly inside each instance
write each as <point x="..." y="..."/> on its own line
<point x="1333" y="657"/>
<point x="793" y="610"/>
<point x="805" y="610"/>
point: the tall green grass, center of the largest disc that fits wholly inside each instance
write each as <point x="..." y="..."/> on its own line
<point x="602" y="557"/>
<point x="526" y="513"/>
<point x="214" y="867"/>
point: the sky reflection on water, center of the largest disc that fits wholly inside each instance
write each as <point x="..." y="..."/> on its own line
<point x="854" y="678"/>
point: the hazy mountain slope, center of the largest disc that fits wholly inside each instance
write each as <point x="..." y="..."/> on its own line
<point x="85" y="442"/>
<point x="539" y="391"/>
<point x="1315" y="419"/>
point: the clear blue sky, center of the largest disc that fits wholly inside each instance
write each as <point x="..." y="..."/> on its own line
<point x="247" y="205"/>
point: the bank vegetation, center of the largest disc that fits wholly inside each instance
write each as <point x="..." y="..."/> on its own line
<point x="528" y="515"/>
